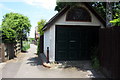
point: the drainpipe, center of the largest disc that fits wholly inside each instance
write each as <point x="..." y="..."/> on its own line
<point x="47" y="54"/>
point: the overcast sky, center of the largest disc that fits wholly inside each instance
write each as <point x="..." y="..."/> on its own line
<point x="34" y="9"/>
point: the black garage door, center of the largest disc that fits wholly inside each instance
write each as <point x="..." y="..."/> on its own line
<point x="75" y="42"/>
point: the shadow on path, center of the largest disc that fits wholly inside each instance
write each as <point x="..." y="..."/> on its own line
<point x="79" y="65"/>
<point x="34" y="61"/>
<point x="82" y="66"/>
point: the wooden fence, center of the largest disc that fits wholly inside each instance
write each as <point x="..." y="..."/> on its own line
<point x="9" y="50"/>
<point x="17" y="48"/>
<point x="109" y="48"/>
<point x="12" y="49"/>
<point x="41" y="43"/>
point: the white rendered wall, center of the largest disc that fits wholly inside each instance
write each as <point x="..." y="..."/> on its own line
<point x="49" y="41"/>
<point x="52" y="43"/>
<point x="46" y="41"/>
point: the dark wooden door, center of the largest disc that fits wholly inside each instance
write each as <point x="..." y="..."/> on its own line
<point x="75" y="42"/>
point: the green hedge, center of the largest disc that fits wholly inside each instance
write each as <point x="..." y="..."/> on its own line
<point x="26" y="46"/>
<point x="31" y="40"/>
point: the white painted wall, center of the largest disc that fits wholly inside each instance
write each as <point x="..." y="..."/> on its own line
<point x="49" y="35"/>
<point x="46" y="40"/>
<point x="49" y="41"/>
<point x="52" y="44"/>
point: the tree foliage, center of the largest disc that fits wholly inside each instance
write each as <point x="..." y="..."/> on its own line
<point x="61" y="5"/>
<point x="116" y="10"/>
<point x="41" y="24"/>
<point x="100" y="7"/>
<point x="15" y="27"/>
<point x="116" y="22"/>
<point x="116" y="14"/>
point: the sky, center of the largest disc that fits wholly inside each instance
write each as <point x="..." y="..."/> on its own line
<point x="35" y="10"/>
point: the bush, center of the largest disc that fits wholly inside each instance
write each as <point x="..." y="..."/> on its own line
<point x="94" y="58"/>
<point x="31" y="40"/>
<point x="95" y="63"/>
<point x="26" y="46"/>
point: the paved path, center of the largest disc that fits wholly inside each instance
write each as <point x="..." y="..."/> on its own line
<point x="1" y="66"/>
<point x="27" y="65"/>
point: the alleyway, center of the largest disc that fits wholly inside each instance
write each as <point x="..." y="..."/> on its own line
<point x="28" y="65"/>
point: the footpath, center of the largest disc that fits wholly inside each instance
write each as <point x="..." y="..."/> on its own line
<point x="29" y="65"/>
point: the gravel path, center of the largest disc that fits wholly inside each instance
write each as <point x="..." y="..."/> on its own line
<point x="28" y="65"/>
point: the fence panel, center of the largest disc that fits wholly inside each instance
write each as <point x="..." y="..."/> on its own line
<point x="109" y="48"/>
<point x="41" y="43"/>
<point x="17" y="48"/>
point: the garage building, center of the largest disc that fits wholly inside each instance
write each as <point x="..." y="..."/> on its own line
<point x="72" y="33"/>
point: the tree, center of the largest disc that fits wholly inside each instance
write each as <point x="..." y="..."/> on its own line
<point x="100" y="7"/>
<point x="116" y="10"/>
<point x="116" y="14"/>
<point x="41" y="24"/>
<point x="61" y="5"/>
<point x="0" y="34"/>
<point x="116" y="22"/>
<point x="15" y="26"/>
